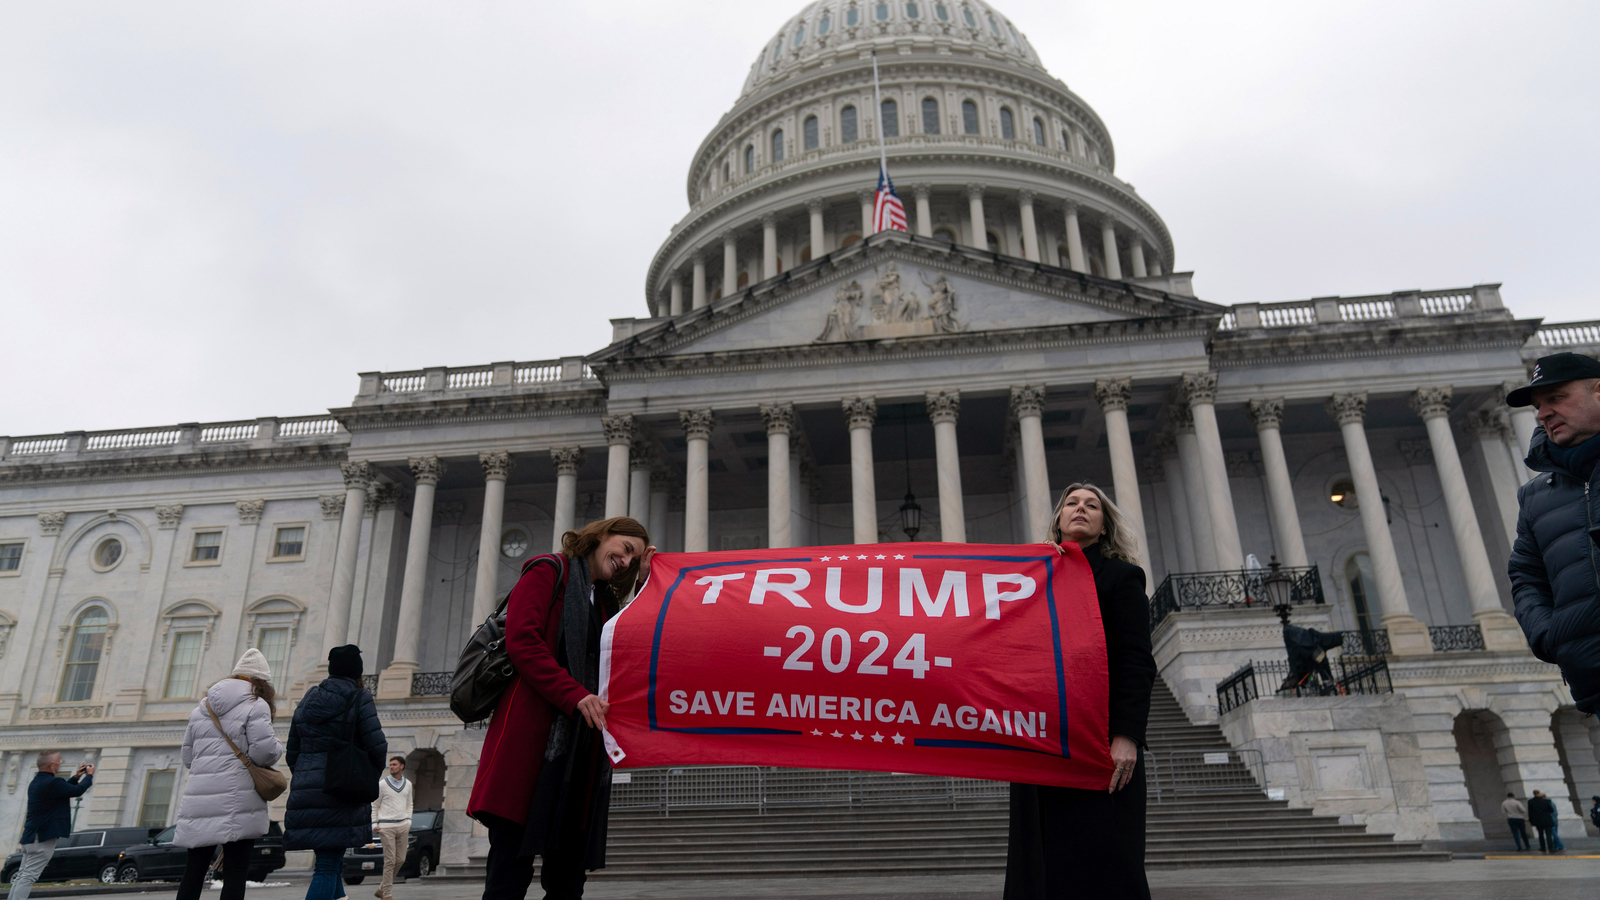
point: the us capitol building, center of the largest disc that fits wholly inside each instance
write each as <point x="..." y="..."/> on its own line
<point x="793" y="380"/>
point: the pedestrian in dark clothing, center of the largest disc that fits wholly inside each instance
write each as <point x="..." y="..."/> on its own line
<point x="544" y="783"/>
<point x="1555" y="563"/>
<point x="337" y="711"/>
<point x="1594" y="812"/>
<point x="1542" y="816"/>
<point x="48" y="819"/>
<point x="1066" y="842"/>
<point x="1516" y="819"/>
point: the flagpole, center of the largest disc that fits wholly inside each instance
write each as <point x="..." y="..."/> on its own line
<point x="877" y="95"/>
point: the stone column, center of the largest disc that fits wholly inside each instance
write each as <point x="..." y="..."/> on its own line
<point x="1523" y="423"/>
<point x="497" y="466"/>
<point x="699" y="281"/>
<point x="1112" y="394"/>
<point x="1494" y="442"/>
<point x="980" y="225"/>
<point x="924" y="209"/>
<point x="1500" y="631"/>
<point x="730" y="264"/>
<point x="620" y="433"/>
<point x="641" y="459"/>
<point x="943" y="408"/>
<point x="697" y="425"/>
<point x="1108" y="246"/>
<point x="567" y="461"/>
<point x="1194" y="482"/>
<point x="1407" y="636"/>
<point x="660" y="497"/>
<point x="1200" y="390"/>
<point x="865" y="195"/>
<point x="769" y="246"/>
<point x="357" y="478"/>
<point x="1074" y="240"/>
<point x="818" y="250"/>
<point x="677" y="296"/>
<point x="1268" y="418"/>
<point x="1136" y="256"/>
<point x="1030" y="229"/>
<point x="1027" y="404"/>
<point x="780" y="424"/>
<point x="1166" y="451"/>
<point x="395" y="681"/>
<point x="860" y="414"/>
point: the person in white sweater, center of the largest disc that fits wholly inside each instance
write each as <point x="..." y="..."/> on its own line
<point x="391" y="820"/>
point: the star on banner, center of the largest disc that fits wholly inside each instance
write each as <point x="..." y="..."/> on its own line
<point x="837" y="734"/>
<point x="862" y="556"/>
<point x="877" y="738"/>
<point x="899" y="556"/>
<point x="816" y="732"/>
<point x="899" y="740"/>
<point x="826" y="558"/>
<point x="858" y="735"/>
<point x="881" y="556"/>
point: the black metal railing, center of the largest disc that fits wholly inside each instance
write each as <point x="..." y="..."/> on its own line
<point x="1239" y="589"/>
<point x="1456" y="638"/>
<point x="431" y="684"/>
<point x="1365" y="643"/>
<point x="1352" y="675"/>
<point x="370" y="682"/>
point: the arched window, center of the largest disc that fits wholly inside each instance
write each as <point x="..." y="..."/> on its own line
<point x="882" y="12"/>
<point x="944" y="234"/>
<point x="911" y="10"/>
<point x="891" y="119"/>
<point x="824" y="24"/>
<point x="852" y="17"/>
<point x="725" y="178"/>
<point x="1008" y="129"/>
<point x="995" y="29"/>
<point x="930" y="116"/>
<point x="941" y="12"/>
<point x="777" y="52"/>
<point x="1066" y="140"/>
<point x="847" y="125"/>
<point x="1038" y="132"/>
<point x="83" y="656"/>
<point x="777" y="145"/>
<point x="811" y="132"/>
<point x="1095" y="268"/>
<point x="994" y="242"/>
<point x="749" y="158"/>
<point x="966" y="16"/>
<point x="744" y="280"/>
<point x="849" y="239"/>
<point x="800" y="35"/>
<point x="969" y="117"/>
<point x="1094" y="154"/>
<point x="805" y="254"/>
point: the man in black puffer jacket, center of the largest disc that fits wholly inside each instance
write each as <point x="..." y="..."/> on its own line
<point x="328" y="716"/>
<point x="1555" y="564"/>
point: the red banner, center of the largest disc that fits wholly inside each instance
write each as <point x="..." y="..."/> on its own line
<point x="972" y="660"/>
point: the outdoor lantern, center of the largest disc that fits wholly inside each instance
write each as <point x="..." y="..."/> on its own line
<point x="1277" y="588"/>
<point x="910" y="517"/>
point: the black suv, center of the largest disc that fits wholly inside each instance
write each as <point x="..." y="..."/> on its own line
<point x="158" y="860"/>
<point x="422" y="850"/>
<point x="83" y="854"/>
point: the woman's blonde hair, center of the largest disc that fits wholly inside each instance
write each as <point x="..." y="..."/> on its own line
<point x="1118" y="542"/>
<point x="579" y="544"/>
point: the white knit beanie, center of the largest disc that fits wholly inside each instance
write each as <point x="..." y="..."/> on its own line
<point x="252" y="665"/>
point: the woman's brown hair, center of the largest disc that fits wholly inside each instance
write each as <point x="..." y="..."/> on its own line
<point x="579" y="544"/>
<point x="262" y="689"/>
<point x="1117" y="543"/>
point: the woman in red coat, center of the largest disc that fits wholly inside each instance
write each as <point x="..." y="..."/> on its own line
<point x="544" y="782"/>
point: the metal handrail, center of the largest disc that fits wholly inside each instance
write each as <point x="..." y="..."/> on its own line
<point x="1352" y="675"/>
<point x="1236" y="589"/>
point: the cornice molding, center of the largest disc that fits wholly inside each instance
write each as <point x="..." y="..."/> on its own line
<point x="463" y="410"/>
<point x="305" y="456"/>
<point x="1357" y="340"/>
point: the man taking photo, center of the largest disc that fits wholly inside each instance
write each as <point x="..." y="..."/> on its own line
<point x="1555" y="564"/>
<point x="49" y="818"/>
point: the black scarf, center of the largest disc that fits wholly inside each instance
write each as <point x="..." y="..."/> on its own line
<point x="584" y="667"/>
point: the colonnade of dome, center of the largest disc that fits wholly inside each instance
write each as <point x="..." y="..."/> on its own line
<point x="975" y="129"/>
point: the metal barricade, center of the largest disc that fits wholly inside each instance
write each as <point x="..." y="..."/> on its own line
<point x="1208" y="771"/>
<point x="691" y="787"/>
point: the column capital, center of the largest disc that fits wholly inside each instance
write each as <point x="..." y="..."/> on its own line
<point x="865" y="195"/>
<point x="427" y="469"/>
<point x="496" y="464"/>
<point x="728" y="237"/>
<point x="1347" y="408"/>
<point x="619" y="429"/>
<point x="1069" y="208"/>
<point x="1431" y="402"/>
<point x="814" y="205"/>
<point x="769" y="220"/>
<point x="567" y="459"/>
<point x="1182" y="418"/>
<point x="1199" y="387"/>
<point x="921" y="191"/>
<point x="332" y="505"/>
<point x="52" y="522"/>
<point x="943" y="406"/>
<point x="1107" y="223"/>
<point x="356" y="474"/>
<point x="975" y="190"/>
<point x="1267" y="413"/>
<point x="1112" y="393"/>
<point x="697" y="423"/>
<point x="1163" y="446"/>
<point x="661" y="480"/>
<point x="642" y="455"/>
<point x="1490" y="422"/>
<point x="250" y="510"/>
<point x="1026" y="196"/>
<point x="168" y="517"/>
<point x="860" y="412"/>
<point x="1027" y="400"/>
<point x="779" y="417"/>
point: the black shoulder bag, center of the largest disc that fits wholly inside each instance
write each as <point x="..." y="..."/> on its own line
<point x="484" y="670"/>
<point x="350" y="774"/>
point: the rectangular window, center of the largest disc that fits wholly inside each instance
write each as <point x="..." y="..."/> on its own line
<point x="207" y="546"/>
<point x="185" y="662"/>
<point x="157" y="800"/>
<point x="289" y="542"/>
<point x="10" y="557"/>
<point x="274" y="645"/>
<point x="847" y="122"/>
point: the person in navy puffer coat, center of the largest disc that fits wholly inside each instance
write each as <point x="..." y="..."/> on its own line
<point x="315" y="819"/>
<point x="1555" y="564"/>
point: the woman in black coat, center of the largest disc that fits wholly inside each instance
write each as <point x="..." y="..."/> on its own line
<point x="330" y="714"/>
<point x="1068" y="842"/>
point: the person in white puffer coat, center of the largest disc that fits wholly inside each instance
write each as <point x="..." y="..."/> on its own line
<point x="220" y="805"/>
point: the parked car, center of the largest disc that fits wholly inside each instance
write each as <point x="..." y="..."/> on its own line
<point x="158" y="860"/>
<point x="83" y="854"/>
<point x="422" y="850"/>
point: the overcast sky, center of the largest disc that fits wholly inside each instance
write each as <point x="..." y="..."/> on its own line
<point x="216" y="211"/>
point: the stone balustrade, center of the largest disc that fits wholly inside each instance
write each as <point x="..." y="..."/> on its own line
<point x="185" y="438"/>
<point x="504" y="377"/>
<point x="1335" y="310"/>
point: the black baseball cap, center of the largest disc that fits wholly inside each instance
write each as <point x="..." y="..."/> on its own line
<point x="1555" y="370"/>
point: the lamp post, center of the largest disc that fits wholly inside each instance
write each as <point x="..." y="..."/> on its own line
<point x="1277" y="588"/>
<point x="910" y="512"/>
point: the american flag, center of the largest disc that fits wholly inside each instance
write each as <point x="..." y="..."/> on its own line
<point x="888" y="213"/>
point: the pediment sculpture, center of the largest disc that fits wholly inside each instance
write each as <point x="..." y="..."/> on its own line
<point x="896" y="310"/>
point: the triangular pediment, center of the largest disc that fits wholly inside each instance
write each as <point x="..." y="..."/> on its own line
<point x="895" y="287"/>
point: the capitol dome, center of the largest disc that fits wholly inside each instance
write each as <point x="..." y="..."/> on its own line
<point x="985" y="147"/>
